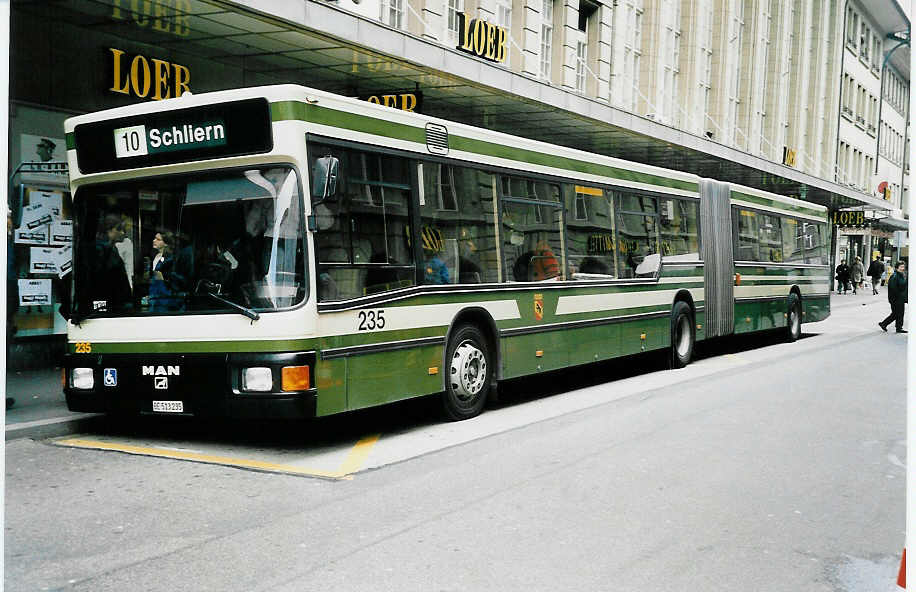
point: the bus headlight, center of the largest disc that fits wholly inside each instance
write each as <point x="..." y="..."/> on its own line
<point x="257" y="379"/>
<point x="82" y="378"/>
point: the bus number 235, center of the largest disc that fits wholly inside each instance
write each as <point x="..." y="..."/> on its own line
<point x="371" y="320"/>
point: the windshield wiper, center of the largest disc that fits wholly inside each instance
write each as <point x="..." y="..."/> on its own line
<point x="208" y="289"/>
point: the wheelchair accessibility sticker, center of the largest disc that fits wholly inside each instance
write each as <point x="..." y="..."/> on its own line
<point x="110" y="376"/>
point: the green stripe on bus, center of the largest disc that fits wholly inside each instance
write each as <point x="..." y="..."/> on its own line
<point x="297" y="110"/>
<point x="71" y="141"/>
<point x="779" y="205"/>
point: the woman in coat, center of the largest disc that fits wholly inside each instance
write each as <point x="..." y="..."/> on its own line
<point x="858" y="274"/>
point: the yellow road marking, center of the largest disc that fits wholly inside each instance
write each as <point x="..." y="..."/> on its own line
<point x="358" y="455"/>
<point x="351" y="464"/>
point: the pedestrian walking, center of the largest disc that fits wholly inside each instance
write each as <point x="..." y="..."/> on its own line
<point x="842" y="277"/>
<point x="875" y="271"/>
<point x="896" y="296"/>
<point x="858" y="274"/>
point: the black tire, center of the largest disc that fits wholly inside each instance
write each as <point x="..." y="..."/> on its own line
<point x="468" y="374"/>
<point x="793" y="318"/>
<point x="683" y="334"/>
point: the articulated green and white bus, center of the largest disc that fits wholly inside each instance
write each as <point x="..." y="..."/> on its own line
<point x="286" y="252"/>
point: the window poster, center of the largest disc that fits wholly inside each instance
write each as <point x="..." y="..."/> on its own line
<point x="43" y="260"/>
<point x="34" y="292"/>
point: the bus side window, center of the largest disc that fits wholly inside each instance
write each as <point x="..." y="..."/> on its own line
<point x="456" y="225"/>
<point x="589" y="233"/>
<point x="637" y="231"/>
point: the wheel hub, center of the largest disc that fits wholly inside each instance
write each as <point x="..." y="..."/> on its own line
<point x="468" y="371"/>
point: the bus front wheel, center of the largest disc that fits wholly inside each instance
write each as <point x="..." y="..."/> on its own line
<point x="793" y="318"/>
<point x="469" y="372"/>
<point x="683" y="335"/>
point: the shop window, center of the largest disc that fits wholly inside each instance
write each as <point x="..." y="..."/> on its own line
<point x="457" y="226"/>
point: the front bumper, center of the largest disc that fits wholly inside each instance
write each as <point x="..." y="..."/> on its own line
<point x="208" y="385"/>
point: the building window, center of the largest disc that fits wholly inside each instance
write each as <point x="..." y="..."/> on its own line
<point x="864" y="39"/>
<point x="736" y="31"/>
<point x="705" y="64"/>
<point x="851" y="25"/>
<point x="581" y="61"/>
<point x="392" y="13"/>
<point x="671" y="56"/>
<point x="504" y="20"/>
<point x="876" y="53"/>
<point x="453" y="9"/>
<point x="546" y="38"/>
<point x="632" y="50"/>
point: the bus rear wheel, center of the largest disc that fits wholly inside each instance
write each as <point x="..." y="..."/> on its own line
<point x="683" y="335"/>
<point x="469" y="374"/>
<point x="793" y="318"/>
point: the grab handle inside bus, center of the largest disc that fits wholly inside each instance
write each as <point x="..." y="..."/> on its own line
<point x="324" y="178"/>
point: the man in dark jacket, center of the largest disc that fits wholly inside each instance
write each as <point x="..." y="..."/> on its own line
<point x="875" y="269"/>
<point x="896" y="295"/>
<point x="842" y="277"/>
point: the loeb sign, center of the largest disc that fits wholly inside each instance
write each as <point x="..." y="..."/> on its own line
<point x="482" y="38"/>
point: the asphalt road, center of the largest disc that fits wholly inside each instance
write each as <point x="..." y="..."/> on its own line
<point x="761" y="466"/>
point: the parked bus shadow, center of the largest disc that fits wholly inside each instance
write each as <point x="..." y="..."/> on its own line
<point x="404" y="416"/>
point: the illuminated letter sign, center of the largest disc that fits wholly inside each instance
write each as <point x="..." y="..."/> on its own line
<point x="144" y="77"/>
<point x="482" y="38"/>
<point x="850" y="219"/>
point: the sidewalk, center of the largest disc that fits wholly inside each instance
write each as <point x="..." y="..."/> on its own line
<point x="40" y="410"/>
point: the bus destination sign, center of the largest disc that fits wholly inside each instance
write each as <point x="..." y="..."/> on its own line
<point x="236" y="128"/>
<point x="138" y="140"/>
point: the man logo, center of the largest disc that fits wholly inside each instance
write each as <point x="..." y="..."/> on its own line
<point x="161" y="383"/>
<point x="110" y="376"/>
<point x="161" y="370"/>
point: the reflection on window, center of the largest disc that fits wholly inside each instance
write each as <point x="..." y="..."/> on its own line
<point x="171" y="244"/>
<point x="793" y="241"/>
<point x="458" y="233"/>
<point x="816" y="243"/>
<point x="679" y="230"/>
<point x="532" y="239"/>
<point x="637" y="231"/>
<point x="363" y="238"/>
<point x="590" y="237"/>
<point x="748" y="236"/>
<point x="770" y="239"/>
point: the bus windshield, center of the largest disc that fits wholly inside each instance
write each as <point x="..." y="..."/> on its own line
<point x="227" y="241"/>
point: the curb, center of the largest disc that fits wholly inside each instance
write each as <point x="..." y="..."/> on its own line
<point x="52" y="427"/>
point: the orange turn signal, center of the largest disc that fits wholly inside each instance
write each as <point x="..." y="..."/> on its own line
<point x="295" y="378"/>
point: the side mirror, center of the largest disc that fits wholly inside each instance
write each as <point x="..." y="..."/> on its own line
<point x="324" y="178"/>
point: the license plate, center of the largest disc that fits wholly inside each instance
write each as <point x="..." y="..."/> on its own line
<point x="168" y="406"/>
